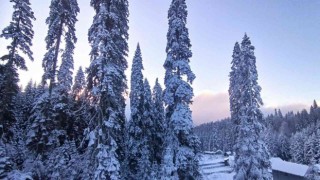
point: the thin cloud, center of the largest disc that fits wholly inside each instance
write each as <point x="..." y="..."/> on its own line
<point x="209" y="106"/>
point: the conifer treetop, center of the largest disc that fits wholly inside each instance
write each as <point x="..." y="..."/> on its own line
<point x="136" y="92"/>
<point x="79" y="82"/>
<point x="21" y="32"/>
<point x="61" y="23"/>
<point x="178" y="56"/>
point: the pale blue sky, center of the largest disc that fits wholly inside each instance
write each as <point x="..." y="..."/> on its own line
<point x="286" y="35"/>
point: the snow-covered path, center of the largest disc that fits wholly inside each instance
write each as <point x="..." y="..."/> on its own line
<point x="213" y="167"/>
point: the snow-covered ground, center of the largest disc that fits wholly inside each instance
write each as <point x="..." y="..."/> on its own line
<point x="213" y="167"/>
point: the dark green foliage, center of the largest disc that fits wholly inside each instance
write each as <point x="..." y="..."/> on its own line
<point x="8" y="90"/>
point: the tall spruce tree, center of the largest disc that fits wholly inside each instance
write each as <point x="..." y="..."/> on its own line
<point x="314" y="114"/>
<point x="61" y="22"/>
<point x="49" y="112"/>
<point x="22" y="106"/>
<point x="79" y="84"/>
<point x="8" y="90"/>
<point x="80" y="107"/>
<point x="145" y="160"/>
<point x="181" y="143"/>
<point x="316" y="148"/>
<point x="252" y="157"/>
<point x="107" y="84"/>
<point x="136" y="93"/>
<point x="29" y="97"/>
<point x="297" y="148"/>
<point x="21" y="34"/>
<point x="63" y="103"/>
<point x="234" y="87"/>
<point x="66" y="68"/>
<point x="135" y="127"/>
<point x="158" y="128"/>
<point x="308" y="149"/>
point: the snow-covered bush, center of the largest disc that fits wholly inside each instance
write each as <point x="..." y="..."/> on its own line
<point x="313" y="172"/>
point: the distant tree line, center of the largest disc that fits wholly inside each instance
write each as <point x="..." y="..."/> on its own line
<point x="216" y="135"/>
<point x="292" y="136"/>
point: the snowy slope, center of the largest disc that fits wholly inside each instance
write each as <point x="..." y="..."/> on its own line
<point x="213" y="167"/>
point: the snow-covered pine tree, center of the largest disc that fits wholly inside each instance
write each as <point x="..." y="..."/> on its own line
<point x="21" y="34"/>
<point x="168" y="168"/>
<point x="63" y="104"/>
<point x="40" y="137"/>
<point x="107" y="84"/>
<point x="23" y="105"/>
<point x="136" y="89"/>
<point x="314" y="114"/>
<point x="297" y="148"/>
<point x="158" y="130"/>
<point x="8" y="90"/>
<point x="181" y="141"/>
<point x="5" y="163"/>
<point x="284" y="147"/>
<point x="316" y="148"/>
<point x="66" y="165"/>
<point x="252" y="157"/>
<point x="61" y="21"/>
<point x="145" y="160"/>
<point x="80" y="107"/>
<point x="279" y="114"/>
<point x="23" y="102"/>
<point x="234" y="87"/>
<point x="309" y="149"/>
<point x="79" y="84"/>
<point x="66" y="68"/>
<point x="135" y="126"/>
<point x="29" y="98"/>
<point x="304" y="119"/>
<point x="48" y="128"/>
<point x="313" y="172"/>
